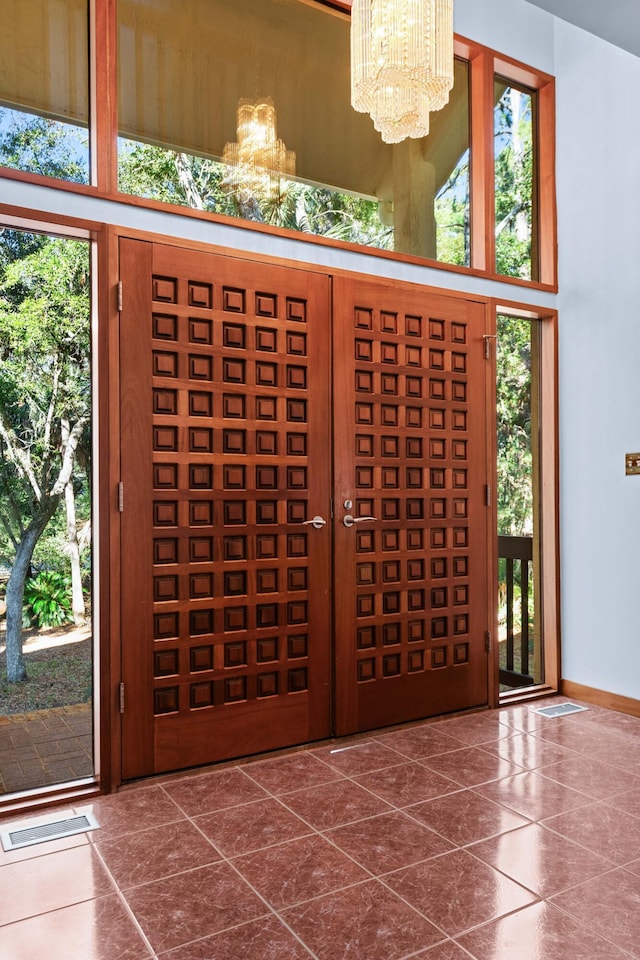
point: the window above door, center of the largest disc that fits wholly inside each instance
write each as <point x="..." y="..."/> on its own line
<point x="172" y="85"/>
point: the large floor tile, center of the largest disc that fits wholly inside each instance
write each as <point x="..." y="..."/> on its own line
<point x="192" y="905"/>
<point x="94" y="930"/>
<point x="406" y="783"/>
<point x="365" y="922"/>
<point x="586" y="737"/>
<point x="539" y="932"/>
<point x="298" y="870"/>
<point x="465" y="817"/>
<point x="152" y="854"/>
<point x="385" y="843"/>
<point x="591" y="777"/>
<point x="251" y="826"/>
<point x="333" y="804"/>
<point x="130" y="811"/>
<point x="629" y="802"/>
<point x="602" y="827"/>
<point x="292" y="772"/>
<point x="608" y="905"/>
<point x="456" y="891"/>
<point x="529" y="751"/>
<point x="264" y="939"/>
<point x="213" y="791"/>
<point x="476" y="729"/>
<point x="472" y="766"/>
<point x="361" y="756"/>
<point x="60" y="879"/>
<point x="540" y="859"/>
<point x="522" y="717"/>
<point x="420" y="742"/>
<point x="444" y="951"/>
<point x="533" y="796"/>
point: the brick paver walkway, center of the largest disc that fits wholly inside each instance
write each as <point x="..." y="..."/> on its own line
<point x="45" y="747"/>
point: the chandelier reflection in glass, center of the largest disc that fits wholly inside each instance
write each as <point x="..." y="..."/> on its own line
<point x="401" y="63"/>
<point x="259" y="159"/>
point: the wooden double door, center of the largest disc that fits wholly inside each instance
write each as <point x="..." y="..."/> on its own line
<point x="303" y="526"/>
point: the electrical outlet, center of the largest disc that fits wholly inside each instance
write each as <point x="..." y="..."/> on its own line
<point x="632" y="463"/>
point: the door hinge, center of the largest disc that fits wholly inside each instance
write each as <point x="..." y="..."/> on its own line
<point x="121" y="497"/>
<point x="488" y="337"/>
<point x="119" y="296"/>
<point x="487" y="494"/>
<point x="121" y="697"/>
<point x="487" y="641"/>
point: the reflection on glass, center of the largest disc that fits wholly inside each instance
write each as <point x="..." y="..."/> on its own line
<point x="45" y="511"/>
<point x="44" y="88"/>
<point x="184" y="65"/>
<point x="518" y="507"/>
<point x="514" y="180"/>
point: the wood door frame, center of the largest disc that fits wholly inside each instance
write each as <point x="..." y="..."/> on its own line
<point x="108" y="259"/>
<point x="106" y="237"/>
<point x="549" y="500"/>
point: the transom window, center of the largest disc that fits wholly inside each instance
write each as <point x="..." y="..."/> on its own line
<point x="241" y="108"/>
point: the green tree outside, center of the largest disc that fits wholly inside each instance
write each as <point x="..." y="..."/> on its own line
<point x="45" y="399"/>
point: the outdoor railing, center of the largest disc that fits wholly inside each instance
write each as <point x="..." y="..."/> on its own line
<point x="516" y="670"/>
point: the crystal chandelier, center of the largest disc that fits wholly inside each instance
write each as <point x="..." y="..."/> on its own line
<point x="401" y="63"/>
<point x="259" y="158"/>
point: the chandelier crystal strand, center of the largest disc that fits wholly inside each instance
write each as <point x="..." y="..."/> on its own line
<point x="401" y="63"/>
<point x="259" y="159"/>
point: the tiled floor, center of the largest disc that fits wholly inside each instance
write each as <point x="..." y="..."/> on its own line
<point x="503" y="836"/>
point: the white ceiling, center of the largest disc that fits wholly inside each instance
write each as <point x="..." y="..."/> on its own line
<point x="617" y="21"/>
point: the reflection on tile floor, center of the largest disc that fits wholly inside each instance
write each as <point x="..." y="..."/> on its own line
<point x="504" y="836"/>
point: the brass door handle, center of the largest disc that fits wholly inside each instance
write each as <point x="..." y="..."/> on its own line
<point x="316" y="522"/>
<point x="349" y="520"/>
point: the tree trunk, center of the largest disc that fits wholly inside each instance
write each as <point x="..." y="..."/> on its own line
<point x="188" y="184"/>
<point x="77" y="597"/>
<point x="16" y="667"/>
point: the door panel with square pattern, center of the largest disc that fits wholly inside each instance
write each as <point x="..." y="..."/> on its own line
<point x="225" y="447"/>
<point x="410" y="452"/>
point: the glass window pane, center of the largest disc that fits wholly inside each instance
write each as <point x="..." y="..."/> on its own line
<point x="44" y="87"/>
<point x="191" y="73"/>
<point x="46" y="669"/>
<point x="519" y="599"/>
<point x="514" y="180"/>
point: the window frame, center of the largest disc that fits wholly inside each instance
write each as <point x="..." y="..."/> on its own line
<point x="548" y="500"/>
<point x="484" y="65"/>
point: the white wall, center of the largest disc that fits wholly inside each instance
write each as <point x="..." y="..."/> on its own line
<point x="512" y="27"/>
<point x="599" y="303"/>
<point x="598" y="169"/>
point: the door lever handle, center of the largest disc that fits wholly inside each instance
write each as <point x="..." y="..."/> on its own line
<point x="349" y="520"/>
<point x="316" y="522"/>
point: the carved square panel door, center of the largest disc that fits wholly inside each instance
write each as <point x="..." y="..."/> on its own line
<point x="253" y="616"/>
<point x="411" y="547"/>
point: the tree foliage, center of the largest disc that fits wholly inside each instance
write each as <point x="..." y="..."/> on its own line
<point x="172" y="177"/>
<point x="44" y="397"/>
<point x="452" y="210"/>
<point x="513" y="413"/>
<point x="39" y="145"/>
<point x="514" y="183"/>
